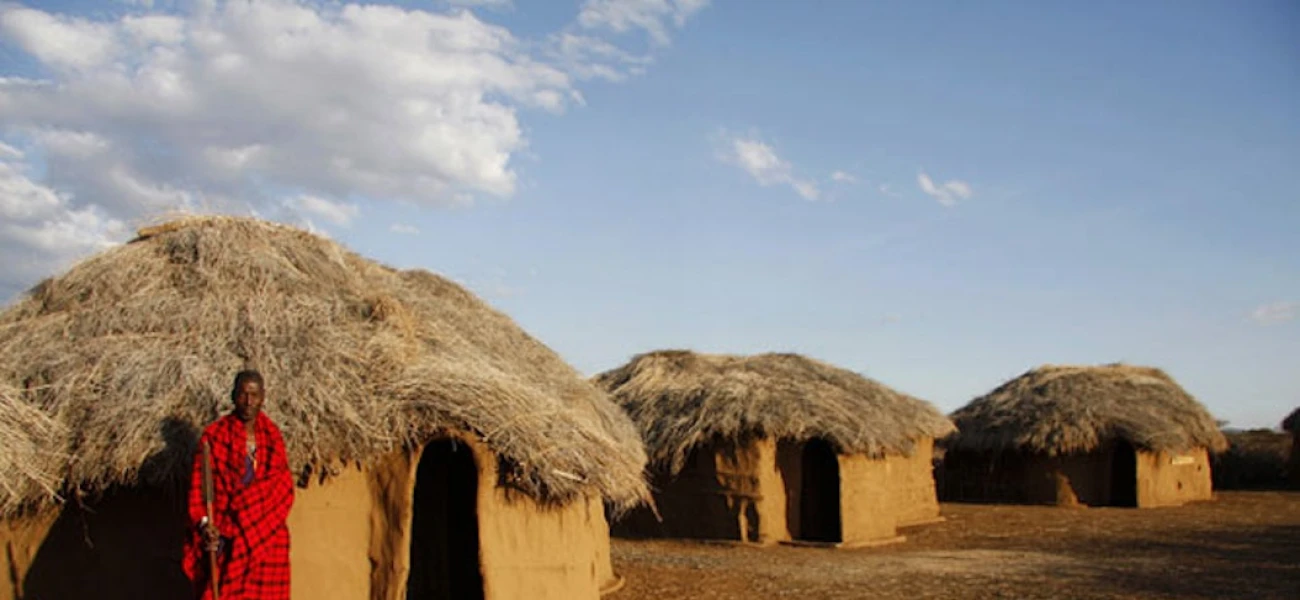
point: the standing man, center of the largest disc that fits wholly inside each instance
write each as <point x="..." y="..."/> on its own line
<point x="253" y="493"/>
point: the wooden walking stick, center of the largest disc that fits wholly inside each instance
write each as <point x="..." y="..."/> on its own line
<point x="213" y="574"/>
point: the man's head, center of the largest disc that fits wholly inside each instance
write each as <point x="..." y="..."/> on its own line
<point x="248" y="395"/>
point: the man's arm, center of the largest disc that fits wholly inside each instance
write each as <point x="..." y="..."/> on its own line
<point x="197" y="507"/>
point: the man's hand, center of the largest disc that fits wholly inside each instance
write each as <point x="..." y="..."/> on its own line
<point x="211" y="537"/>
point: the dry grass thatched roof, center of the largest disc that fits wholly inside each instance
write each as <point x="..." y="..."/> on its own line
<point x="34" y="456"/>
<point x="1292" y="421"/>
<point x="682" y="399"/>
<point x="133" y="350"/>
<point x="1075" y="409"/>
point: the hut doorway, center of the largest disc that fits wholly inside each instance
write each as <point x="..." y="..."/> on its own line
<point x="819" y="506"/>
<point x="1123" y="475"/>
<point x="444" y="525"/>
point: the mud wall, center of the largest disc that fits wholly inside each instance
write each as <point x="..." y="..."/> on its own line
<point x="1173" y="478"/>
<point x="718" y="494"/>
<point x="911" y="485"/>
<point x="868" y="508"/>
<point x="533" y="550"/>
<point x="329" y="538"/>
<point x="1018" y="478"/>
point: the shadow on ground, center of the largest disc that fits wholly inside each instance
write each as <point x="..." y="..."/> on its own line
<point x="1224" y="563"/>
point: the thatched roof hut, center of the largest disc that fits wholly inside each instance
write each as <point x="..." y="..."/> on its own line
<point x="697" y="411"/>
<point x="1292" y="422"/>
<point x="1058" y="409"/>
<point x="132" y="351"/>
<point x="681" y="399"/>
<point x="1061" y="411"/>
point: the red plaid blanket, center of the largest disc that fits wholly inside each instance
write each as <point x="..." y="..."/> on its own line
<point x="254" y="562"/>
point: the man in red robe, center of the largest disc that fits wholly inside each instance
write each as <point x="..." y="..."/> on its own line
<point x="253" y="493"/>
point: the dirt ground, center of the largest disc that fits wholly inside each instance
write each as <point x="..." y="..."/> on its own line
<point x="1241" y="545"/>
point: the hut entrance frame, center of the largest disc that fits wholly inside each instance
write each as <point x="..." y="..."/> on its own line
<point x="810" y="472"/>
<point x="444" y="549"/>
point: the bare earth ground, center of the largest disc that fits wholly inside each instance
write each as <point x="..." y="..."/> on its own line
<point x="1242" y="545"/>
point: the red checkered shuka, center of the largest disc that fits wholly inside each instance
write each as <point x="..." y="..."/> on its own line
<point x="254" y="561"/>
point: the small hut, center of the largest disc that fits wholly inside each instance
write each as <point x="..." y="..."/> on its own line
<point x="441" y="452"/>
<point x="776" y="448"/>
<point x="1291" y="424"/>
<point x="1111" y="435"/>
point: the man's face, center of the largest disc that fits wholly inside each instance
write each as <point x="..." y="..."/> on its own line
<point x="248" y="400"/>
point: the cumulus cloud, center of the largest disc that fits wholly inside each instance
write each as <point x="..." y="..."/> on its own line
<point x="655" y="17"/>
<point x="947" y="193"/>
<point x="760" y="160"/>
<point x="286" y="108"/>
<point x="587" y="57"/>
<point x="1277" y="312"/>
<point x="338" y="213"/>
<point x="250" y="91"/>
<point x="41" y="230"/>
<point x="61" y="42"/>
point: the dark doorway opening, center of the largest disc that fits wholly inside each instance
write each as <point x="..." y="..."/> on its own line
<point x="444" y="525"/>
<point x="819" y="506"/>
<point x="1123" y="475"/>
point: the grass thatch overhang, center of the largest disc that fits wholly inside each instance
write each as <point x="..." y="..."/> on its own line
<point x="1292" y="422"/>
<point x="133" y="351"/>
<point x="1057" y="410"/>
<point x="682" y="399"/>
<point x="34" y="456"/>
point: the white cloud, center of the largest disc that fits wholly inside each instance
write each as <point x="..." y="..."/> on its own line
<point x="338" y="213"/>
<point x="1277" y="312"/>
<point x="946" y="193"/>
<point x="842" y="177"/>
<point x="762" y="163"/>
<point x="8" y="152"/>
<point x="587" y="57"/>
<point x="486" y="3"/>
<point x="888" y="190"/>
<point x="807" y="189"/>
<point x="40" y="231"/>
<point x="62" y="42"/>
<point x="652" y="16"/>
<point x="404" y="229"/>
<point x="249" y="93"/>
<point x="161" y="29"/>
<point x="286" y="108"/>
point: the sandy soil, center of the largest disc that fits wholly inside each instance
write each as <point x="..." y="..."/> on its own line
<point x="1242" y="545"/>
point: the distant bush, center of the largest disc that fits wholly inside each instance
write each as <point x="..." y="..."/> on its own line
<point x="1255" y="459"/>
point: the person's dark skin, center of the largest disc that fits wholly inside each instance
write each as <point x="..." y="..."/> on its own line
<point x="248" y="403"/>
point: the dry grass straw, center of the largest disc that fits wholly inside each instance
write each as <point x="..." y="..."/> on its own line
<point x="1057" y="410"/>
<point x="34" y="457"/>
<point x="134" y="350"/>
<point x="681" y="399"/>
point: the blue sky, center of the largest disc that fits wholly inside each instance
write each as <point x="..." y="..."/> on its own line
<point x="941" y="195"/>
